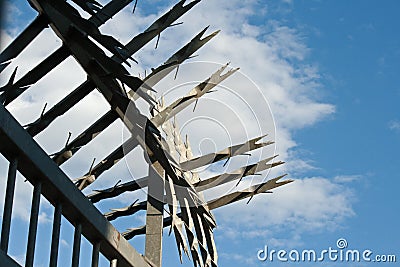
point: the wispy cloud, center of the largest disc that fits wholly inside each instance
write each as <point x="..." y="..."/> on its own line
<point x="22" y="198"/>
<point x="347" y="178"/>
<point x="309" y="204"/>
<point x="9" y="14"/>
<point x="271" y="54"/>
<point x="64" y="243"/>
<point x="248" y="260"/>
<point x="394" y="125"/>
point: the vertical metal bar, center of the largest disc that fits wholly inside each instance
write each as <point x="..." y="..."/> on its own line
<point x="154" y="216"/>
<point x="95" y="254"/>
<point x="77" y="245"/>
<point x="55" y="238"/>
<point x="30" y="250"/>
<point x="8" y="203"/>
<point x="113" y="263"/>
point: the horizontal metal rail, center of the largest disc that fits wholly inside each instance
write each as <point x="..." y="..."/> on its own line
<point x="6" y="260"/>
<point x="56" y="187"/>
<point x="23" y="40"/>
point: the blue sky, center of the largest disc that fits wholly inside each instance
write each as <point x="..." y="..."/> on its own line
<point x="356" y="48"/>
<point x="328" y="70"/>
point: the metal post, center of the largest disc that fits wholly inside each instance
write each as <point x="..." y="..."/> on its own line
<point x="8" y="203"/>
<point x="55" y="238"/>
<point x="154" y="216"/>
<point x="113" y="263"/>
<point x="77" y="245"/>
<point x="30" y="250"/>
<point x="95" y="254"/>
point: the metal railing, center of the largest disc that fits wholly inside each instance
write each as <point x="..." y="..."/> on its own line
<point x="48" y="180"/>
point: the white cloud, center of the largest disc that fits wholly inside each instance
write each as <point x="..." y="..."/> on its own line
<point x="274" y="61"/>
<point x="347" y="178"/>
<point x="44" y="218"/>
<point x="299" y="166"/>
<point x="272" y="55"/>
<point x="10" y="15"/>
<point x="22" y="195"/>
<point x="248" y="260"/>
<point x="394" y="125"/>
<point x="6" y="39"/>
<point x="294" y="241"/>
<point x="316" y="204"/>
<point x="64" y="243"/>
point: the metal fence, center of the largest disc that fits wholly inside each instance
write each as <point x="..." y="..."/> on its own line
<point x="176" y="176"/>
<point x="25" y="155"/>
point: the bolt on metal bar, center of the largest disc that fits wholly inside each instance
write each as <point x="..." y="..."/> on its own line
<point x="8" y="203"/>
<point x="55" y="238"/>
<point x="30" y="251"/>
<point x="77" y="245"/>
<point x="95" y="254"/>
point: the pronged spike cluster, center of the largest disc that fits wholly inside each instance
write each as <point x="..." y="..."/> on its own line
<point x="190" y="214"/>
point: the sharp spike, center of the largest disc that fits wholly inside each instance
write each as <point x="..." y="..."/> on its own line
<point x="12" y="78"/>
<point x="4" y="65"/>
<point x="91" y="166"/>
<point x="250" y="199"/>
<point x="10" y="81"/>
<point x="158" y="40"/>
<point x="134" y="7"/>
<point x="119" y="181"/>
<point x="195" y="104"/>
<point x="226" y="162"/>
<point x="44" y="108"/>
<point x="69" y="137"/>
<point x="176" y="73"/>
<point x="175" y="24"/>
<point x="192" y="56"/>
